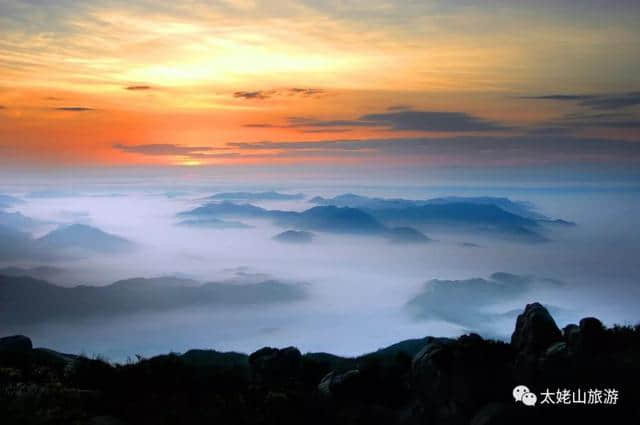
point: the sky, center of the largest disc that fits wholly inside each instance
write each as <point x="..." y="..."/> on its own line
<point x="345" y="83"/>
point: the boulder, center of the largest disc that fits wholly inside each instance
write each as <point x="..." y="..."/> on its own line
<point x="535" y="330"/>
<point x="501" y="414"/>
<point x="273" y="366"/>
<point x="15" y="344"/>
<point x="557" y="350"/>
<point x="592" y="335"/>
<point x="340" y="384"/>
<point x="453" y="378"/>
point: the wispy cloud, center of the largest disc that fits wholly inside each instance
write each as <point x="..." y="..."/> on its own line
<point x="137" y="88"/>
<point x="188" y="152"/>
<point x="508" y="151"/>
<point x="570" y="97"/>
<point x="613" y="101"/>
<point x="596" y="101"/>
<point x="581" y="120"/>
<point x="159" y="149"/>
<point x="267" y="94"/>
<point x="305" y="92"/>
<point x="258" y="94"/>
<point x="400" y="119"/>
<point x="74" y="109"/>
<point x="399" y="108"/>
<point x="432" y="121"/>
<point x="529" y="149"/>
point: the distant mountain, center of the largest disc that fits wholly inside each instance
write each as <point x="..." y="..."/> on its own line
<point x="15" y="244"/>
<point x="256" y="196"/>
<point x="323" y="219"/>
<point x="357" y="201"/>
<point x="7" y="201"/>
<point x="83" y="237"/>
<point x="464" y="217"/>
<point x="524" y="209"/>
<point x="226" y="209"/>
<point x="330" y="219"/>
<point x="17" y="221"/>
<point x="481" y="214"/>
<point x="294" y="236"/>
<point x="521" y="208"/>
<point x="403" y="235"/>
<point x="26" y="300"/>
<point x="156" y="282"/>
<point x="456" y="213"/>
<point x="42" y="272"/>
<point x="401" y="220"/>
<point x="214" y="223"/>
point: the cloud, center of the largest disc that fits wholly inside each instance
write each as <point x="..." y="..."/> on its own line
<point x="261" y="125"/>
<point x="399" y="108"/>
<point x="250" y="95"/>
<point x="136" y="88"/>
<point x="400" y="119"/>
<point x="267" y="94"/>
<point x="74" y="109"/>
<point x="613" y="101"/>
<point x="529" y="149"/>
<point x="162" y="149"/>
<point x="191" y="152"/>
<point x="311" y="122"/>
<point x="580" y="120"/>
<point x="526" y="149"/>
<point x="571" y="97"/>
<point x="596" y="101"/>
<point x="327" y="130"/>
<point x="306" y="92"/>
<point x="432" y="121"/>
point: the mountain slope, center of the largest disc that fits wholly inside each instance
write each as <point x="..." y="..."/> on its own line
<point x="83" y="237"/>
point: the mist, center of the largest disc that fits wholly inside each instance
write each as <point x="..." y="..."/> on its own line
<point x="359" y="290"/>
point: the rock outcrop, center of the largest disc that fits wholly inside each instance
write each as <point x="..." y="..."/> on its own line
<point x="535" y="330"/>
<point x="275" y="367"/>
<point x="15" y="344"/>
<point x="432" y="381"/>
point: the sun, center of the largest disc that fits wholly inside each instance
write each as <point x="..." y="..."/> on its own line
<point x="191" y="163"/>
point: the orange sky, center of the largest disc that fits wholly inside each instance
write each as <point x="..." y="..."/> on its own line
<point x="79" y="84"/>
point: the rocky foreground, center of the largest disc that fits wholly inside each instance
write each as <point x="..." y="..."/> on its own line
<point x="584" y="374"/>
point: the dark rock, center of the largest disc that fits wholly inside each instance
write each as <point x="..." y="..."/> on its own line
<point x="500" y="414"/>
<point x="535" y="330"/>
<point x="592" y="335"/>
<point x="105" y="420"/>
<point x="455" y="377"/>
<point x="570" y="330"/>
<point x="273" y="366"/>
<point x="470" y="338"/>
<point x="15" y="344"/>
<point x="340" y="384"/>
<point x="51" y="357"/>
<point x="557" y="350"/>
